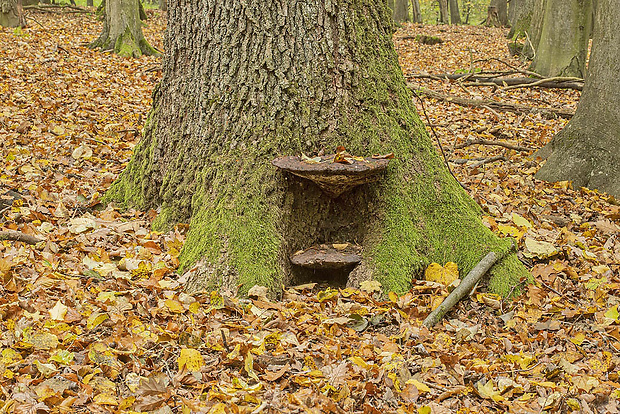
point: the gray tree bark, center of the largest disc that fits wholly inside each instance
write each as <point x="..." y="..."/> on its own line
<point x="455" y="15"/>
<point x="520" y="17"/>
<point x="416" y="11"/>
<point x="444" y="15"/>
<point x="587" y="150"/>
<point x="122" y="30"/>
<point x="163" y="5"/>
<point x="245" y="81"/>
<point x="563" y="45"/>
<point x="11" y="14"/>
<point x="401" y="11"/>
<point x="497" y="13"/>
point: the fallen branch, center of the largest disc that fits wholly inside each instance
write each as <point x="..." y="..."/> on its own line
<point x="483" y="160"/>
<point x="544" y="81"/>
<point x="500" y="106"/>
<point x="462" y="290"/>
<point x="483" y="80"/>
<point x="19" y="236"/>
<point x="494" y="143"/>
<point x="56" y="8"/>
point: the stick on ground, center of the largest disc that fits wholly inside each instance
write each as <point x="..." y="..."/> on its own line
<point x="461" y="290"/>
<point x="18" y="236"/>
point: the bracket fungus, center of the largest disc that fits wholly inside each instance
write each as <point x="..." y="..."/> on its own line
<point x="328" y="256"/>
<point x="333" y="177"/>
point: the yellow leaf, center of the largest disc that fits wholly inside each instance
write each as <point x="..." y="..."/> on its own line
<point x="442" y="274"/>
<point x="219" y="408"/>
<point x="510" y="231"/>
<point x="105" y="399"/>
<point x="191" y="359"/>
<point x="578" y="339"/>
<point x="521" y="221"/>
<point x="370" y="286"/>
<point x="419" y="385"/>
<point x="174" y="305"/>
<point x="539" y="249"/>
<point x="612" y="313"/>
<point x="393" y="297"/>
<point x="10" y="356"/>
<point x="249" y="366"/>
<point x="425" y="409"/>
<point x="59" y="311"/>
<point x="359" y="362"/>
<point x="95" y="319"/>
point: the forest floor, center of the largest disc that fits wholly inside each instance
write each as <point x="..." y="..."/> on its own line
<point x="94" y="319"/>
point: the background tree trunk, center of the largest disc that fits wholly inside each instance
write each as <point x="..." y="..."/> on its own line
<point x="238" y="92"/>
<point x="163" y="5"/>
<point x="416" y="11"/>
<point x="11" y="14"/>
<point x="122" y="29"/>
<point x="587" y="150"/>
<point x="520" y="17"/>
<point x="497" y="14"/>
<point x="90" y="3"/>
<point x="563" y="45"/>
<point x="443" y="12"/>
<point x="534" y="32"/>
<point x="401" y="11"/>
<point x="455" y="15"/>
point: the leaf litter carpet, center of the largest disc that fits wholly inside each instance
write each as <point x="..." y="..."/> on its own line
<point x="94" y="319"/>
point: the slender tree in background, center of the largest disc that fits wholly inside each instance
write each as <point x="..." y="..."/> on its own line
<point x="455" y="15"/>
<point x="11" y="14"/>
<point x="416" y="11"/>
<point x="401" y="11"/>
<point x="122" y="29"/>
<point x="245" y="81"/>
<point x="587" y="150"/>
<point x="444" y="15"/>
<point x="565" y="34"/>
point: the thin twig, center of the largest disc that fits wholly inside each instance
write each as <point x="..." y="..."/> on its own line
<point x="445" y="159"/>
<point x="494" y="143"/>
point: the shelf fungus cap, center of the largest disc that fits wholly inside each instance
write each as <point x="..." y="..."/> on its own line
<point x="328" y="256"/>
<point x="332" y="177"/>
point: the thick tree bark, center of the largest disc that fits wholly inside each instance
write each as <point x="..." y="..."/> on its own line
<point x="401" y="11"/>
<point x="245" y="81"/>
<point x="11" y="14"/>
<point x="497" y="13"/>
<point x="587" y="150"/>
<point x="416" y="11"/>
<point x="563" y="45"/>
<point x="455" y="15"/>
<point x="122" y="29"/>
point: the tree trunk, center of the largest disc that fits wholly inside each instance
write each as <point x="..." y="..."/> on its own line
<point x="90" y="3"/>
<point x="122" y="29"/>
<point x="497" y="13"/>
<point x="292" y="78"/>
<point x="163" y="5"/>
<point x="416" y="11"/>
<point x="455" y="15"/>
<point x="563" y="45"/>
<point x="443" y="12"/>
<point x="587" y="150"/>
<point x="520" y="17"/>
<point x="11" y="14"/>
<point x="401" y="11"/>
